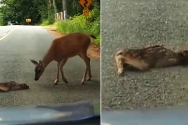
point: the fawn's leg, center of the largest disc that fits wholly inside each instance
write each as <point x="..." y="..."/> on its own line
<point x="57" y="78"/>
<point x="61" y="68"/>
<point x="166" y="63"/>
<point x="4" y="89"/>
<point x="120" y="65"/>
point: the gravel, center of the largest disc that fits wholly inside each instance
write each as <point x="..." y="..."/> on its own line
<point x="136" y="24"/>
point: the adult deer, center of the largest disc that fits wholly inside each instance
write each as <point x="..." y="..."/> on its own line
<point x="61" y="50"/>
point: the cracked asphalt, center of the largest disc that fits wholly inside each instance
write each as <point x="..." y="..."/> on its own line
<point x="32" y="42"/>
<point x="136" y="24"/>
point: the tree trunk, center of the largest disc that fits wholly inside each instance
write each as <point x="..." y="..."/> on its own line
<point x="64" y="5"/>
<point x="48" y="4"/>
<point x="55" y="8"/>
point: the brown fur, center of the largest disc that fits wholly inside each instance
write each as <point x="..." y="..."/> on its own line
<point x="150" y="57"/>
<point x="63" y="48"/>
<point x="12" y="86"/>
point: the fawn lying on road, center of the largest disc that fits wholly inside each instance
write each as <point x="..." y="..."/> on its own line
<point x="63" y="48"/>
<point x="150" y="57"/>
<point x="12" y="86"/>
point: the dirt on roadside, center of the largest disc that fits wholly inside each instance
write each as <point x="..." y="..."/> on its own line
<point x="93" y="51"/>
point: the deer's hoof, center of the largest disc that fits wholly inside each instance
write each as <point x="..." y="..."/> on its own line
<point x="56" y="82"/>
<point x="88" y="79"/>
<point x="65" y="81"/>
<point x="82" y="82"/>
<point x="120" y="72"/>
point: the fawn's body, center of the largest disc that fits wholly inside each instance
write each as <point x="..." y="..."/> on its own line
<point x="12" y="86"/>
<point x="151" y="57"/>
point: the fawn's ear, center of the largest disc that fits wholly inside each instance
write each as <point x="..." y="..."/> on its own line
<point x="180" y="54"/>
<point x="34" y="62"/>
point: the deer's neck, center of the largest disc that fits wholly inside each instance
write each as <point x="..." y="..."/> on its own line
<point x="47" y="59"/>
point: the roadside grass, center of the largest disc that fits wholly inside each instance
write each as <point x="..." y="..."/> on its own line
<point x="47" y="25"/>
<point x="79" y="24"/>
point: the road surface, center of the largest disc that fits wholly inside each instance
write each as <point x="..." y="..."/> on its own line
<point x="136" y="24"/>
<point x="19" y="44"/>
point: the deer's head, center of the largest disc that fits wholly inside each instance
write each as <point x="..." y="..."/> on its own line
<point x="39" y="69"/>
<point x="183" y="56"/>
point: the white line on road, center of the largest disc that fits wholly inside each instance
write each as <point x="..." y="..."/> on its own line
<point x="7" y="34"/>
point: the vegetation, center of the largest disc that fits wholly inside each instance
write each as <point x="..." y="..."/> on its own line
<point x="80" y="23"/>
<point x="42" y="12"/>
<point x="1" y="20"/>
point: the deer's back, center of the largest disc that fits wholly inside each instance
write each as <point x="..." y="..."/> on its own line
<point x="150" y="55"/>
<point x="71" y="44"/>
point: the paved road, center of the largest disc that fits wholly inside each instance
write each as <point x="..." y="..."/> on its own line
<point x="4" y="30"/>
<point x="135" y="24"/>
<point x="31" y="42"/>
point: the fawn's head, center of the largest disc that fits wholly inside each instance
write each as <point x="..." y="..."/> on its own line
<point x="183" y="55"/>
<point x="39" y="69"/>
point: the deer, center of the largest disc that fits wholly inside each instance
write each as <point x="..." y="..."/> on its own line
<point x="144" y="59"/>
<point x="63" y="48"/>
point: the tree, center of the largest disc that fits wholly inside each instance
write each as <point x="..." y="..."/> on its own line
<point x="38" y="10"/>
<point x="64" y="5"/>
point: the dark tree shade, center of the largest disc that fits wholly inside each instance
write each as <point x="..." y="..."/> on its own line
<point x="37" y="10"/>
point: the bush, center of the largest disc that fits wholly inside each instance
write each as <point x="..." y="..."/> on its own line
<point x="80" y="24"/>
<point x="44" y="23"/>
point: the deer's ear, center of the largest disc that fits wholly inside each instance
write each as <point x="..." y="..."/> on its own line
<point x="40" y="61"/>
<point x="34" y="62"/>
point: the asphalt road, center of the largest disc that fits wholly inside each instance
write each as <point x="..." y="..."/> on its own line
<point x="136" y="24"/>
<point x="4" y="30"/>
<point x="31" y="42"/>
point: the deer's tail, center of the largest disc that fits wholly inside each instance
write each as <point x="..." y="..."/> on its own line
<point x="92" y="36"/>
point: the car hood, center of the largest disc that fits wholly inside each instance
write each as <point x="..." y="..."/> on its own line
<point x="45" y="113"/>
<point x="167" y="116"/>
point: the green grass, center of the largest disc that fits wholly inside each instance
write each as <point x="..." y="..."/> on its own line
<point x="79" y="24"/>
<point x="50" y="26"/>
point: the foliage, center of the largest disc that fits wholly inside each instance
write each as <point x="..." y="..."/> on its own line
<point x="79" y="24"/>
<point x="1" y="19"/>
<point x="38" y="10"/>
<point x="43" y="12"/>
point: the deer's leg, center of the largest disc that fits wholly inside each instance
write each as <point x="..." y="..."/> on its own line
<point x="61" y="68"/>
<point x="87" y="62"/>
<point x="4" y="89"/>
<point x="89" y="70"/>
<point x="166" y="63"/>
<point x="120" y="65"/>
<point x="17" y="87"/>
<point x="57" y="78"/>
